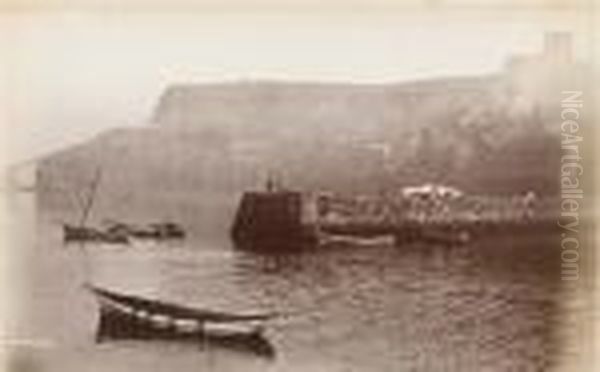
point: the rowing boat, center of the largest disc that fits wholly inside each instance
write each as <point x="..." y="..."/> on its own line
<point x="124" y="316"/>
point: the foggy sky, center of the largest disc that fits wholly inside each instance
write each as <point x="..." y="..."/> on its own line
<point x="70" y="75"/>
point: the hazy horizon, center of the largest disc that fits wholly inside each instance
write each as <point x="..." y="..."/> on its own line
<point x="72" y="75"/>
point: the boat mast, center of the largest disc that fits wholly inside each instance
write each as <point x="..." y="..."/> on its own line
<point x="90" y="200"/>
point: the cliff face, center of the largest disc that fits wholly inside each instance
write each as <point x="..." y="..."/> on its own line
<point x="210" y="142"/>
<point x="467" y="131"/>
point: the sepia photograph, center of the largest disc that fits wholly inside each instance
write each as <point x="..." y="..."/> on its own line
<point x="386" y="187"/>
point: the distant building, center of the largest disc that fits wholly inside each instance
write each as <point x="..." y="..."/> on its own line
<point x="538" y="79"/>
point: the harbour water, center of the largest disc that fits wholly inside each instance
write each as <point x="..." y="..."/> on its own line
<point x="491" y="305"/>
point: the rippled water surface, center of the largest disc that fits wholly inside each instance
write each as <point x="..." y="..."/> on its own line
<point x="488" y="306"/>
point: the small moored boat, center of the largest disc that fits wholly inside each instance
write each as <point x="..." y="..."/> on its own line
<point x="83" y="234"/>
<point x="132" y="317"/>
<point x="158" y="231"/>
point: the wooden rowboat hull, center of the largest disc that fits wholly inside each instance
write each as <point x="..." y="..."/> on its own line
<point x="131" y="317"/>
<point x="116" y="325"/>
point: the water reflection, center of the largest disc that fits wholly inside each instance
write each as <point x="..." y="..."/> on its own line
<point x="491" y="305"/>
<point x="488" y="305"/>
